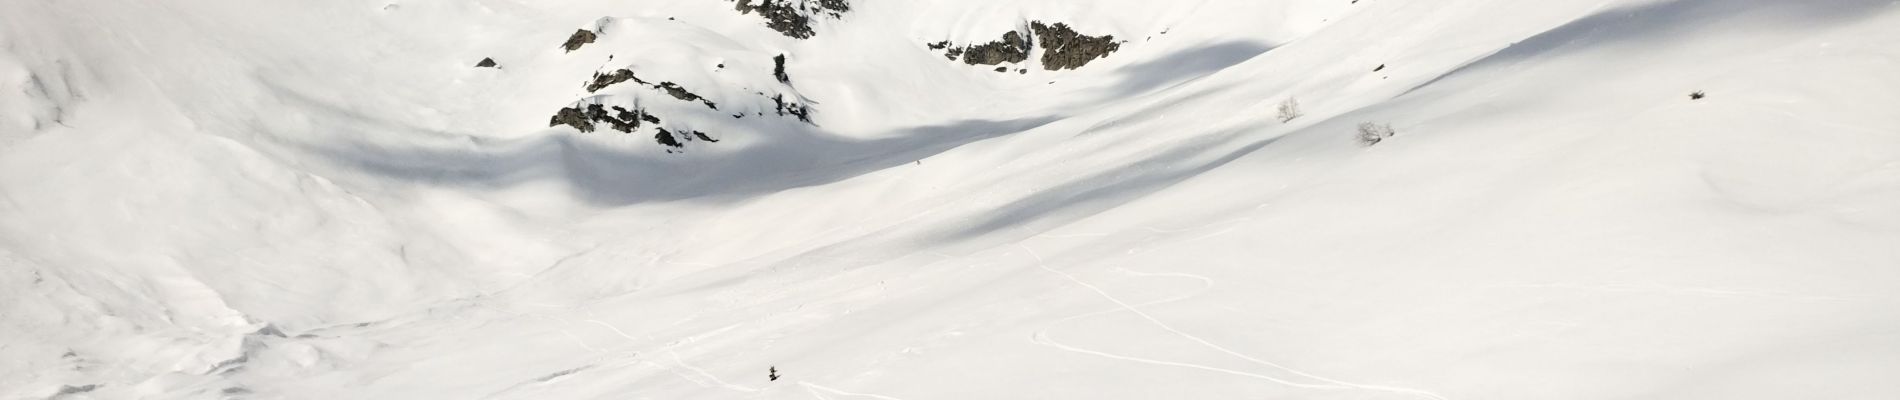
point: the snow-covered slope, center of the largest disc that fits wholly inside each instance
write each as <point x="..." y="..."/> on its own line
<point x="239" y="199"/>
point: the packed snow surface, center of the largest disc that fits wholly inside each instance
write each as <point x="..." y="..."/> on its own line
<point x="328" y="200"/>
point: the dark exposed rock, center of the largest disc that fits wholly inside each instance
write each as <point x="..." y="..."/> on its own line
<point x="580" y="38"/>
<point x="574" y="117"/>
<point x="585" y="118"/>
<point x="487" y="63"/>
<point x="588" y="118"/>
<point x="678" y="139"/>
<point x="1002" y="69"/>
<point x="602" y="81"/>
<point x="681" y="93"/>
<point x="666" y="138"/>
<point x="778" y="69"/>
<point x="802" y="112"/>
<point x="793" y="18"/>
<point x="1064" y="48"/>
<point x="626" y="121"/>
<point x="837" y="7"/>
<point x="1012" y="48"/>
<point x="950" y="50"/>
<point x="619" y="119"/>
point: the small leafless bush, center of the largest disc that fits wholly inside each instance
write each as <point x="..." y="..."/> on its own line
<point x="1290" y="110"/>
<point x="1373" y="133"/>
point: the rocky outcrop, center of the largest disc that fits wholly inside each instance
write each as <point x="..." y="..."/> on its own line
<point x="778" y="69"/>
<point x="588" y="117"/>
<point x="1064" y="48"/>
<point x="678" y="139"/>
<point x="602" y="81"/>
<point x="585" y="118"/>
<point x="620" y="98"/>
<point x="793" y="18"/>
<point x="785" y="108"/>
<point x="487" y="63"/>
<point x="1012" y="48"/>
<point x="580" y="38"/>
<point x="673" y="89"/>
<point x="625" y="121"/>
<point x="950" y="50"/>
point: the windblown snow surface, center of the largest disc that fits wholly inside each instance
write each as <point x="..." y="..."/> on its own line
<point x="327" y="200"/>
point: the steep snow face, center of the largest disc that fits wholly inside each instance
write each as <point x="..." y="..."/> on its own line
<point x="232" y="199"/>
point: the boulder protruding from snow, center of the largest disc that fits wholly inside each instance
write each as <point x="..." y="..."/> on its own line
<point x="581" y="37"/>
<point x="778" y="69"/>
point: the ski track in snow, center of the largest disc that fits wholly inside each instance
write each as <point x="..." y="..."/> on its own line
<point x="690" y="373"/>
<point x="695" y="374"/>
<point x="814" y="388"/>
<point x="1658" y="288"/>
<point x="680" y="366"/>
<point x="1042" y="337"/>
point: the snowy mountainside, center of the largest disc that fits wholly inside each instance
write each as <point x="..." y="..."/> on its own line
<point x="232" y="199"/>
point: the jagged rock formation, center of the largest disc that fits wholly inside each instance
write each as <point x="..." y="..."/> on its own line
<point x="619" y="119"/>
<point x="679" y="139"/>
<point x="602" y="81"/>
<point x="614" y="102"/>
<point x="674" y="89"/>
<point x="581" y="37"/>
<point x="793" y="17"/>
<point x="586" y="117"/>
<point x="1012" y="48"/>
<point x="801" y="111"/>
<point x="1063" y="48"/>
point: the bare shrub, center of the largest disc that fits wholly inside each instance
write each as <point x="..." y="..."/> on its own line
<point x="1373" y="133"/>
<point x="1290" y="110"/>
